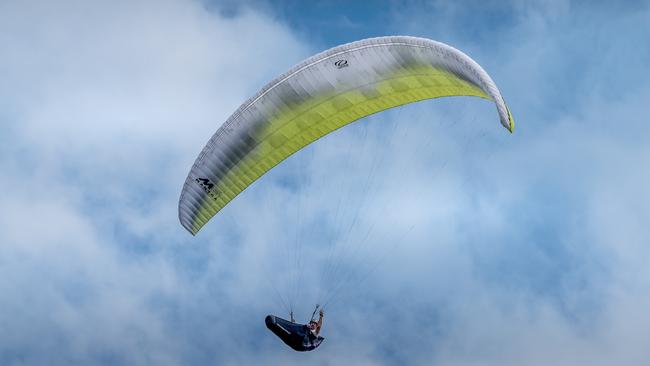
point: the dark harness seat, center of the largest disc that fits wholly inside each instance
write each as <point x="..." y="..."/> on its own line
<point x="296" y="336"/>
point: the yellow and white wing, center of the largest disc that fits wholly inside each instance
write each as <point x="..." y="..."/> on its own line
<point x="321" y="94"/>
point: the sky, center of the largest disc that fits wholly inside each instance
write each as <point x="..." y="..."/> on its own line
<point x="453" y="242"/>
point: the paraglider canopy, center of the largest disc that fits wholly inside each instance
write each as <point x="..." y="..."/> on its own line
<point x="318" y="96"/>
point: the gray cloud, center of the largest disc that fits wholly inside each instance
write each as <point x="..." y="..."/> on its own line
<point x="482" y="248"/>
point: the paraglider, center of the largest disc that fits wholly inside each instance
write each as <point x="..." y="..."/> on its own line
<point x="300" y="337"/>
<point x="323" y="93"/>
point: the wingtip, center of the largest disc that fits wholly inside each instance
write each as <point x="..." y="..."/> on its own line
<point x="511" y="121"/>
<point x="189" y="229"/>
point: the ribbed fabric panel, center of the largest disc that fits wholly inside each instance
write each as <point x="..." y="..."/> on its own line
<point x="319" y="95"/>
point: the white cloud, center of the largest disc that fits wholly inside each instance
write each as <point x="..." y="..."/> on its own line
<point x="486" y="248"/>
<point x="110" y="102"/>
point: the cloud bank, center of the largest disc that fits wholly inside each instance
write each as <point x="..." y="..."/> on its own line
<point x="469" y="247"/>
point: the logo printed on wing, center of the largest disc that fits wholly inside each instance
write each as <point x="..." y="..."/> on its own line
<point x="207" y="187"/>
<point x="341" y="64"/>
